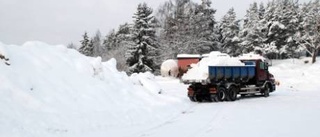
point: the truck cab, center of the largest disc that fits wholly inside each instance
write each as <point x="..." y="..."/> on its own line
<point x="262" y="75"/>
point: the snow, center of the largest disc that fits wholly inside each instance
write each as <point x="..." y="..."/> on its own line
<point x="251" y="56"/>
<point x="199" y="72"/>
<point x="4" y="57"/>
<point x="52" y="91"/>
<point x="188" y="56"/>
<point x="146" y="80"/>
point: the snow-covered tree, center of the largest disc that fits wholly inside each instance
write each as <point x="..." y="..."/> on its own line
<point x="140" y="57"/>
<point x="283" y="20"/>
<point x="252" y="34"/>
<point x="229" y="29"/>
<point x="110" y="41"/>
<point x="72" y="46"/>
<point x="310" y="36"/>
<point x="203" y="38"/>
<point x="98" y="49"/>
<point x="117" y="42"/>
<point x="261" y="11"/>
<point x="86" y="46"/>
<point x="187" y="27"/>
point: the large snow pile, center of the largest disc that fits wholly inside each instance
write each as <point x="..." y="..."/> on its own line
<point x="199" y="72"/>
<point x="4" y="58"/>
<point x="54" y="91"/>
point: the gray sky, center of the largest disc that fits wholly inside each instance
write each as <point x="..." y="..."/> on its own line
<point x="64" y="21"/>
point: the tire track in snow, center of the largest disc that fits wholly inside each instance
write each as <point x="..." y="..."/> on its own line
<point x="194" y="122"/>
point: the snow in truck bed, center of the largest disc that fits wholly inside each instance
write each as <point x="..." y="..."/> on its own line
<point x="199" y="72"/>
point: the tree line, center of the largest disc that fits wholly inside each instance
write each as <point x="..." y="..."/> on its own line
<point x="278" y="29"/>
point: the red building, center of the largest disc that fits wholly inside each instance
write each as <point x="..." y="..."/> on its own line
<point x="185" y="60"/>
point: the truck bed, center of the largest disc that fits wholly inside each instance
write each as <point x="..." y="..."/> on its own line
<point x="217" y="73"/>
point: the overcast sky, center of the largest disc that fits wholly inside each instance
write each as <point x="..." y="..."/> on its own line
<point x="64" y="21"/>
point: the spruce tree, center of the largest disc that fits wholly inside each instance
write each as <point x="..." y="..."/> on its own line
<point x="86" y="46"/>
<point x="141" y="55"/>
<point x="229" y="30"/>
<point x="203" y="36"/>
<point x="251" y="35"/>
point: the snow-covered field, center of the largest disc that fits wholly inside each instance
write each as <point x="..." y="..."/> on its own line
<point x="53" y="91"/>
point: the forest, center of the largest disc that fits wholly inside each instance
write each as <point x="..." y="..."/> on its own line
<point x="278" y="29"/>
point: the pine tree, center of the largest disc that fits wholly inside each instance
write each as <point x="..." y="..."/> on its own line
<point x="229" y="30"/>
<point x="86" y="46"/>
<point x="140" y="55"/>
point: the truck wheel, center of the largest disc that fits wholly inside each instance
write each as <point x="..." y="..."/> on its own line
<point x="232" y="93"/>
<point x="221" y="93"/>
<point x="192" y="99"/>
<point x="197" y="98"/>
<point x="266" y="90"/>
<point x="213" y="98"/>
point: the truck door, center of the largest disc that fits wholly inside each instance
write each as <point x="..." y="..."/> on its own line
<point x="262" y="70"/>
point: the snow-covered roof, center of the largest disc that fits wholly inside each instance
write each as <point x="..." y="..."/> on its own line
<point x="188" y="56"/>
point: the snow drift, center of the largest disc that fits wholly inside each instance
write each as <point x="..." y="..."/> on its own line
<point x="53" y="91"/>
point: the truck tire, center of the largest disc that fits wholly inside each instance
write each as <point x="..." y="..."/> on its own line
<point x="213" y="98"/>
<point x="192" y="99"/>
<point x="266" y="91"/>
<point x="232" y="93"/>
<point x="197" y="98"/>
<point x="222" y="94"/>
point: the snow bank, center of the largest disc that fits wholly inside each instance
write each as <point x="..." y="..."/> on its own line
<point x="295" y="75"/>
<point x="4" y="57"/>
<point x="54" y="91"/>
<point x="147" y="80"/>
<point x="199" y="72"/>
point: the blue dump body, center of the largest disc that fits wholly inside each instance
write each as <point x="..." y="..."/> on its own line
<point x="217" y="73"/>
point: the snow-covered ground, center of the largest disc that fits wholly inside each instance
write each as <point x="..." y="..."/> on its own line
<point x="53" y="91"/>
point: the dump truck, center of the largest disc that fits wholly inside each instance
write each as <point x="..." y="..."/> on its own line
<point x="225" y="83"/>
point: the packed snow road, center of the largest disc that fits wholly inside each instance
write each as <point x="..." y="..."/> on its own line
<point x="286" y="112"/>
